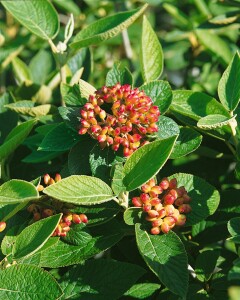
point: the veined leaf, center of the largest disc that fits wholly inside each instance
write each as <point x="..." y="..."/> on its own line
<point x="28" y="280"/>
<point x="144" y="163"/>
<point x="86" y="89"/>
<point x="214" y="121"/>
<point x="16" y="191"/>
<point x="151" y="58"/>
<point x="39" y="17"/>
<point x="80" y="189"/>
<point x="166" y="257"/>
<point x="106" y="28"/>
<point x="33" y="237"/>
<point x="229" y="84"/>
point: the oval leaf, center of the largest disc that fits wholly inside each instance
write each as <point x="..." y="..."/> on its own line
<point x="196" y="105"/>
<point x="34" y="281"/>
<point x="33" y="237"/>
<point x="106" y="28"/>
<point x="80" y="189"/>
<point x="166" y="128"/>
<point x="229" y="84"/>
<point x="187" y="141"/>
<point x="86" y="89"/>
<point x="132" y="215"/>
<point x="144" y="163"/>
<point x="151" y="57"/>
<point x="166" y="257"/>
<point x="15" y="191"/>
<point x="39" y="17"/>
<point x="234" y="226"/>
<point x="214" y="121"/>
<point x="205" y="198"/>
<point x="160" y="92"/>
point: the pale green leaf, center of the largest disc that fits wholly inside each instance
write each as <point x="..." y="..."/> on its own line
<point x="229" y="84"/>
<point x="151" y="57"/>
<point x="80" y="189"/>
<point x="21" y="71"/>
<point x="86" y="89"/>
<point x="214" y="121"/>
<point x="106" y="28"/>
<point x="16" y="191"/>
<point x="39" y="17"/>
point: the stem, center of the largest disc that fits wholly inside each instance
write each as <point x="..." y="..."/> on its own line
<point x="233" y="126"/>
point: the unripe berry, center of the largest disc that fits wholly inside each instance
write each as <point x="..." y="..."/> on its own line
<point x="155" y="230"/>
<point x="158" y="206"/>
<point x="181" y="220"/>
<point x="2" y="226"/>
<point x="136" y="202"/>
<point x="46" y="179"/>
<point x="173" y="183"/>
<point x="36" y="216"/>
<point x="162" y="213"/>
<point x="157" y="223"/>
<point x="168" y="199"/>
<point x="169" y="220"/>
<point x="145" y="198"/>
<point x="51" y="181"/>
<point x="57" y="177"/>
<point x="165" y="227"/>
<point x="145" y="188"/>
<point x="184" y="208"/>
<point x="157" y="189"/>
<point x="164" y="184"/>
<point x="47" y="213"/>
<point x="40" y="188"/>
<point x="179" y="201"/>
<point x="83" y="218"/>
<point x="146" y="207"/>
<point x="169" y="210"/>
<point x="155" y="201"/>
<point x="153" y="213"/>
<point x="76" y="219"/>
<point x="32" y="208"/>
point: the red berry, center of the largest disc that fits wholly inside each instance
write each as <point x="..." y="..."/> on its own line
<point x="2" y="226"/>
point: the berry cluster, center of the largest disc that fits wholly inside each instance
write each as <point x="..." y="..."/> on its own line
<point x="119" y="115"/>
<point x="48" y="181"/>
<point x="41" y="211"/>
<point x="66" y="221"/>
<point x="165" y="204"/>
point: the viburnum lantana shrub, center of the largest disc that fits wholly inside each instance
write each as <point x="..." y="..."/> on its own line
<point x="97" y="196"/>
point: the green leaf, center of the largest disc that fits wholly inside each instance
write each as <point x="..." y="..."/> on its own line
<point x="117" y="179"/>
<point x="187" y="141"/>
<point x="15" y="138"/>
<point x="153" y="155"/>
<point x="214" y="121"/>
<point x="39" y="17"/>
<point x="166" y="257"/>
<point x="77" y="162"/>
<point x="100" y="162"/>
<point x="41" y="65"/>
<point x="62" y="254"/>
<point x="26" y="107"/>
<point x="91" y="280"/>
<point x="151" y="57"/>
<point x="78" y="235"/>
<point x="119" y="74"/>
<point x="166" y="128"/>
<point x="21" y="71"/>
<point x="215" y="45"/>
<point x="86" y="89"/>
<point x="142" y="290"/>
<point x="132" y="215"/>
<point x="28" y="281"/>
<point x="33" y="237"/>
<point x="205" y="264"/>
<point x="80" y="189"/>
<point x="60" y="138"/>
<point x="160" y="92"/>
<point x="196" y="105"/>
<point x="229" y="85"/>
<point x="233" y="226"/>
<point x="205" y="198"/>
<point x="100" y="213"/>
<point x="106" y="28"/>
<point x="68" y="6"/>
<point x="71" y="95"/>
<point x="234" y="292"/>
<point x="16" y="191"/>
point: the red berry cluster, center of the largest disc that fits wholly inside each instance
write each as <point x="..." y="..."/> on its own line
<point x="165" y="204"/>
<point x="65" y="222"/>
<point x="132" y="116"/>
